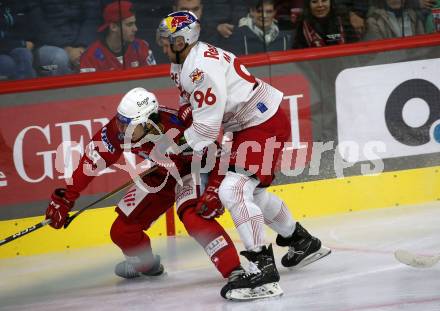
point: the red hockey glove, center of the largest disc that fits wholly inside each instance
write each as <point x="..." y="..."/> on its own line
<point x="185" y="115"/>
<point x="59" y="207"/>
<point x="209" y="205"/>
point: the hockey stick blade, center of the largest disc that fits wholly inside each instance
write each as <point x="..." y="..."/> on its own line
<point x="415" y="260"/>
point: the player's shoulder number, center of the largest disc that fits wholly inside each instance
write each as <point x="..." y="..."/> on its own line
<point x="208" y="97"/>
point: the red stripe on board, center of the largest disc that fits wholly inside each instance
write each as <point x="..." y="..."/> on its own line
<point x="250" y="61"/>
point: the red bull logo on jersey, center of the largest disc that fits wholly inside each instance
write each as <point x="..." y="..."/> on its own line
<point x="177" y="21"/>
<point x="197" y="76"/>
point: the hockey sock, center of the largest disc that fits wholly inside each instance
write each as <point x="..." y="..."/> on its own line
<point x="236" y="193"/>
<point x="213" y="238"/>
<point x="276" y="214"/>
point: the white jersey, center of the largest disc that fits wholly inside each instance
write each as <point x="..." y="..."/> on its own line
<point x="221" y="92"/>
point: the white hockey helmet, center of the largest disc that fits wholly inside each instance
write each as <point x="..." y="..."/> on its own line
<point x="137" y="106"/>
<point x="181" y="24"/>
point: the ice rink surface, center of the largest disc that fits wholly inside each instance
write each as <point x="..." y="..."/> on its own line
<point x="360" y="274"/>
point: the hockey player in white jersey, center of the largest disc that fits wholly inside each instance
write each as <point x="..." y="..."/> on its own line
<point x="222" y="93"/>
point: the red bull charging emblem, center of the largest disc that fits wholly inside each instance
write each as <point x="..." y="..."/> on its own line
<point x="178" y="21"/>
<point x="197" y="76"/>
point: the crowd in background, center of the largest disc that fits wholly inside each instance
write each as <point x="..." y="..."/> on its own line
<point x="59" y="37"/>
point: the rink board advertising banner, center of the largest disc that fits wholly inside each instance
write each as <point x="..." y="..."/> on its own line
<point x="42" y="142"/>
<point x="390" y="110"/>
<point x="366" y="107"/>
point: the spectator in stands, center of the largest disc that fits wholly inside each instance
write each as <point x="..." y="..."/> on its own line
<point x="63" y="30"/>
<point x="196" y="7"/>
<point x="417" y="4"/>
<point x="223" y="17"/>
<point x="148" y="16"/>
<point x="392" y="19"/>
<point x="258" y="32"/>
<point x="15" y="43"/>
<point x="149" y="32"/>
<point x="150" y="13"/>
<point x="433" y="19"/>
<point x="357" y="11"/>
<point x="118" y="48"/>
<point x="427" y="11"/>
<point x="321" y="25"/>
<point x="288" y="13"/>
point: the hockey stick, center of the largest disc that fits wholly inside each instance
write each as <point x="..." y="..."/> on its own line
<point x="415" y="260"/>
<point x="25" y="231"/>
<point x="71" y="218"/>
<point x="108" y="195"/>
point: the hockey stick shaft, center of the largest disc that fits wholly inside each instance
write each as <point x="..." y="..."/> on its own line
<point x="25" y="231"/>
<point x="69" y="220"/>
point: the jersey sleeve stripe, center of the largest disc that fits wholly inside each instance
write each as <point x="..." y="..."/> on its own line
<point x="205" y="130"/>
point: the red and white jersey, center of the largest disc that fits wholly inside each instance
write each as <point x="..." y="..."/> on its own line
<point x="221" y="92"/>
<point x="98" y="57"/>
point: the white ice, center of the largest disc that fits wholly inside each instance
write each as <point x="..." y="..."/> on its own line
<point x="360" y="274"/>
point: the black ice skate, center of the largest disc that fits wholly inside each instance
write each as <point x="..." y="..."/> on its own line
<point x="303" y="248"/>
<point x="128" y="269"/>
<point x="261" y="281"/>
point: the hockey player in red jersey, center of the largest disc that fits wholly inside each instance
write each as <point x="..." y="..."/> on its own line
<point x="147" y="130"/>
<point x="222" y="93"/>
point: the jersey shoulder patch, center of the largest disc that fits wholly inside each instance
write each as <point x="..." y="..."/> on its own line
<point x="197" y="76"/>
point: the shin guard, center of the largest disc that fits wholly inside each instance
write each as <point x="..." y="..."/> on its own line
<point x="214" y="239"/>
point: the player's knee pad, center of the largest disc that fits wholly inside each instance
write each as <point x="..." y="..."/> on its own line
<point x="214" y="239"/>
<point x="237" y="194"/>
<point x="269" y="204"/>
<point x="236" y="189"/>
<point x="129" y="237"/>
<point x="276" y="214"/>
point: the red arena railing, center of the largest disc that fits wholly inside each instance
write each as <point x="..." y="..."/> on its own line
<point x="250" y="61"/>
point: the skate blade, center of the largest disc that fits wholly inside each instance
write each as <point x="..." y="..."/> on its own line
<point x="321" y="253"/>
<point x="265" y="291"/>
<point x="154" y="277"/>
<point x="158" y="274"/>
<point x="144" y="277"/>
